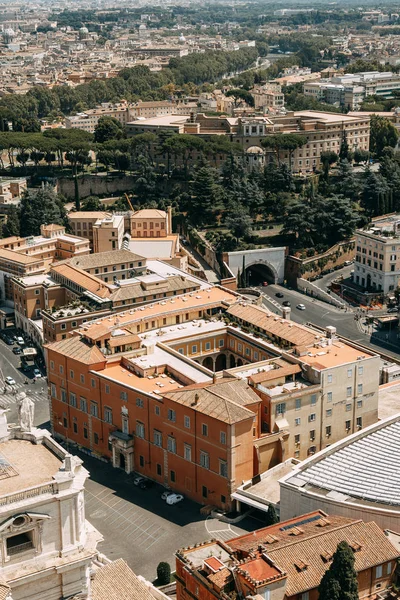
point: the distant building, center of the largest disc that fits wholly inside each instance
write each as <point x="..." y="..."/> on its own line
<point x="377" y="261"/>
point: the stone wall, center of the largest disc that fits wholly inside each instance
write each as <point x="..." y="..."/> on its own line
<point x="305" y="268"/>
<point x="95" y="185"/>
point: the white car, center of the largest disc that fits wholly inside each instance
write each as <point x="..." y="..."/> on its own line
<point x="174" y="498"/>
<point x="301" y="307"/>
<point x="10" y="381"/>
<point x="165" y="494"/>
<point x="36" y="373"/>
<point x="20" y="341"/>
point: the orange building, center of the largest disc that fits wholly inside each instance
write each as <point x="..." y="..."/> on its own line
<point x="151" y="223"/>
<point x="175" y="392"/>
<point x="286" y="561"/>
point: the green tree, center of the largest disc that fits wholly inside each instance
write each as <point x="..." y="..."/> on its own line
<point x="239" y="222"/>
<point x="271" y="516"/>
<point x="340" y="580"/>
<point x="206" y="194"/>
<point x="108" y="128"/>
<point x="38" y="207"/>
<point x="383" y="134"/>
<point x="11" y="226"/>
<point x="92" y="203"/>
<point x="344" y="152"/>
<point x="328" y="158"/>
<point x="239" y="94"/>
<point x="360" y="156"/>
<point x="163" y="573"/>
<point x="283" y="142"/>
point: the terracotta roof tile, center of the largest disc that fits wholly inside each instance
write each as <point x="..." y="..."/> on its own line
<point x="293" y="333"/>
<point x="75" y="347"/>
<point x="81" y="278"/>
<point x="375" y="550"/>
<point x="225" y="401"/>
<point x="117" y="581"/>
<point x="102" y="259"/>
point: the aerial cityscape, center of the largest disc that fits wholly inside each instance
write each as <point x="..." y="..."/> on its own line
<point x="199" y="300"/>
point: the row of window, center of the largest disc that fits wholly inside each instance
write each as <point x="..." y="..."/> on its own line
<point x="349" y="373"/>
<point x="108" y="415"/>
<point x="328" y="431"/>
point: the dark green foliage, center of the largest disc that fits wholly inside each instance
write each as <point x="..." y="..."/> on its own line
<point x="11" y="227"/>
<point x="340" y="580"/>
<point x="271" y="516"/>
<point x="163" y="573"/>
<point x="321" y="221"/>
<point x="206" y="194"/>
<point x="239" y="94"/>
<point x="108" y="128"/>
<point x="39" y="207"/>
<point x="383" y="134"/>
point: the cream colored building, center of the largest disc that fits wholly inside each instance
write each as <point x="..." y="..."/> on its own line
<point x="89" y="119"/>
<point x="82" y="222"/>
<point x="47" y="546"/>
<point x="268" y="97"/>
<point x="108" y="233"/>
<point x="377" y="261"/>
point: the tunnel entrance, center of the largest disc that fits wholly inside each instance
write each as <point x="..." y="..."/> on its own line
<point x="258" y="273"/>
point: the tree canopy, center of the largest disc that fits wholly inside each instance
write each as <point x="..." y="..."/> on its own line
<point x="340" y="580"/>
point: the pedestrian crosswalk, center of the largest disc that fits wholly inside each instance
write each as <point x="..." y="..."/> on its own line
<point x="9" y="398"/>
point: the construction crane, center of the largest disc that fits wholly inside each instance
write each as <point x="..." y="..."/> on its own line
<point x="129" y="202"/>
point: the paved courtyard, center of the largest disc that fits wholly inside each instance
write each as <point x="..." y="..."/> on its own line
<point x="140" y="527"/>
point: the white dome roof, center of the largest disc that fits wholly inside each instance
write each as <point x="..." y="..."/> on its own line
<point x="84" y="30"/>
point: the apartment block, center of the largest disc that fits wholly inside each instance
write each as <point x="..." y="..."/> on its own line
<point x="268" y="97"/>
<point x="351" y="90"/>
<point x="287" y="561"/>
<point x="377" y="261"/>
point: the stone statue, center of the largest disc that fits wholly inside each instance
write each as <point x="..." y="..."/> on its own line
<point x="26" y="409"/>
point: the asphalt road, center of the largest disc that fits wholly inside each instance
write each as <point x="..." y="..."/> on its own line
<point x="10" y="367"/>
<point x="324" y="282"/>
<point x="140" y="527"/>
<point x="323" y="314"/>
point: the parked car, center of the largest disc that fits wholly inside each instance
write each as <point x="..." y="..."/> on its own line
<point x="279" y="295"/>
<point x="301" y="307"/>
<point x="20" y="340"/>
<point x="174" y="498"/>
<point x="36" y="373"/>
<point x="348" y="262"/>
<point x="10" y="381"/>
<point x="17" y="350"/>
<point x="393" y="309"/>
<point x="165" y="494"/>
<point x="286" y="303"/>
<point x="146" y="484"/>
<point x="9" y="341"/>
<point x="138" y="480"/>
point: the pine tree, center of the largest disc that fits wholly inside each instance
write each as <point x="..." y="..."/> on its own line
<point x="344" y="148"/>
<point x="11" y="227"/>
<point x="271" y="517"/>
<point x="206" y="194"/>
<point x="340" y="580"/>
